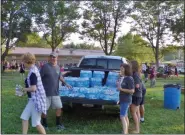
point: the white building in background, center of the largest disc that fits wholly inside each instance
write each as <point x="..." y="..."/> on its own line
<point x="66" y="56"/>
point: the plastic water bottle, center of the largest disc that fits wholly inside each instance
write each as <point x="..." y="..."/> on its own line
<point x="18" y="92"/>
<point x="16" y="89"/>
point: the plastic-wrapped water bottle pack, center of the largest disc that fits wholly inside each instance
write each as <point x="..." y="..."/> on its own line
<point x="91" y="87"/>
<point x="104" y="93"/>
<point x="77" y="82"/>
<point x="83" y="90"/>
<point x="111" y="94"/>
<point x="113" y="75"/>
<point x="64" y="91"/>
<point x="98" y="74"/>
<point x="71" y="80"/>
<point x="112" y="79"/>
<point x="95" y="82"/>
<point x="85" y="74"/>
<point x="111" y="83"/>
<point x="82" y="82"/>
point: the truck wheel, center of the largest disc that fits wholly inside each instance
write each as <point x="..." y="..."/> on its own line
<point x="76" y="105"/>
<point x="67" y="108"/>
<point x="99" y="107"/>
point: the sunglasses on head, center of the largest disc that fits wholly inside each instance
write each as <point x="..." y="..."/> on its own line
<point x="52" y="56"/>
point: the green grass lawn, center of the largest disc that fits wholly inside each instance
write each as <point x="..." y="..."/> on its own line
<point x="93" y="121"/>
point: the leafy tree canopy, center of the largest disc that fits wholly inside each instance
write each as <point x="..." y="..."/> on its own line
<point x="133" y="47"/>
<point x="33" y="40"/>
<point x="56" y="19"/>
<point x="102" y="21"/>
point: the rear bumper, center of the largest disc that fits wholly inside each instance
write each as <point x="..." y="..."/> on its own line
<point x="65" y="99"/>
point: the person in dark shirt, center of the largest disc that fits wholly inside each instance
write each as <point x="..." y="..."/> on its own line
<point x="51" y="75"/>
<point x="176" y="72"/>
<point x="125" y="96"/>
<point x="22" y="70"/>
<point x="137" y="96"/>
<point x="33" y="81"/>
<point x="152" y="77"/>
<point x="146" y="73"/>
<point x="4" y="66"/>
<point x="142" y="108"/>
<point x="16" y="66"/>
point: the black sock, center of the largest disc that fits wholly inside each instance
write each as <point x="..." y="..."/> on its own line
<point x="44" y="122"/>
<point x="58" y="120"/>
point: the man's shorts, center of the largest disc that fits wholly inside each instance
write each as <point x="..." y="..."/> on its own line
<point x="53" y="101"/>
<point x="124" y="109"/>
<point x="30" y="111"/>
<point x="136" y="100"/>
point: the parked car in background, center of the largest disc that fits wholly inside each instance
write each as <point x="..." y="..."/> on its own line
<point x="180" y="70"/>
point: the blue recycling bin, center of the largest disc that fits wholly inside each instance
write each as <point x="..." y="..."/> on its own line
<point x="172" y="94"/>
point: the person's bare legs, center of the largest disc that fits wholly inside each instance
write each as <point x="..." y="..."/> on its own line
<point x="124" y="125"/>
<point x="25" y="126"/>
<point x="41" y="129"/>
<point x="134" y="110"/>
<point x="151" y="83"/>
<point x="154" y="82"/>
<point x="142" y="112"/>
<point x="58" y="112"/>
<point x="138" y="116"/>
<point x="127" y="120"/>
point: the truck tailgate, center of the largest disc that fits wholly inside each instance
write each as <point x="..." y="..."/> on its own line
<point x="87" y="101"/>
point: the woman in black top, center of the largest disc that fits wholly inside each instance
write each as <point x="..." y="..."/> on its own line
<point x="137" y="96"/>
<point x="125" y="96"/>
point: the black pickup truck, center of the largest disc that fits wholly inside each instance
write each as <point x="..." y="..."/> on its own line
<point x="93" y="63"/>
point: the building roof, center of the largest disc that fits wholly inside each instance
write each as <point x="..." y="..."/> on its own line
<point x="104" y="56"/>
<point x="62" y="52"/>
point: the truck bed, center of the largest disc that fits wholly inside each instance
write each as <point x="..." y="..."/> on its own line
<point x="87" y="101"/>
<point x="75" y="72"/>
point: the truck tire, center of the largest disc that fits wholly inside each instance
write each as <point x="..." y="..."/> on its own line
<point x="67" y="108"/>
<point x="99" y="107"/>
<point x="76" y="105"/>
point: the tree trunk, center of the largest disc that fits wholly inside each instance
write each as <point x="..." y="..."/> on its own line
<point x="106" y="53"/>
<point x="8" y="39"/>
<point x="157" y="54"/>
<point x="53" y="49"/>
<point x="158" y="37"/>
<point x="3" y="56"/>
<point x="115" y="31"/>
<point x="157" y="59"/>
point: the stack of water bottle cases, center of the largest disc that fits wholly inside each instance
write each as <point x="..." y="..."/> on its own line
<point x="89" y="86"/>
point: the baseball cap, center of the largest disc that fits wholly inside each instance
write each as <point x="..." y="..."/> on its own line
<point x="54" y="54"/>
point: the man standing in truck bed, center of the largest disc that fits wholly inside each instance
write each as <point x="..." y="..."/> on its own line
<point x="50" y="75"/>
